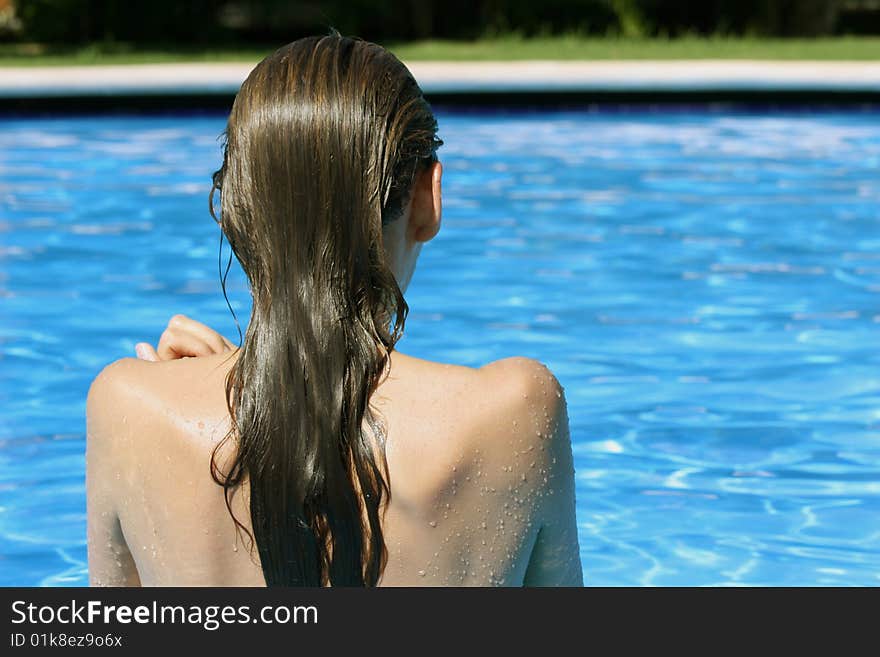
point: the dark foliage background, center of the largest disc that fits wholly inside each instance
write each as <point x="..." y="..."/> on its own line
<point x="225" y="22"/>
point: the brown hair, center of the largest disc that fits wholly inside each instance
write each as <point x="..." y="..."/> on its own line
<point x="323" y="144"/>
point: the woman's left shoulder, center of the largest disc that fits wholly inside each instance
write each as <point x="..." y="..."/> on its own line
<point x="133" y="397"/>
<point x="112" y="405"/>
<point x="114" y="382"/>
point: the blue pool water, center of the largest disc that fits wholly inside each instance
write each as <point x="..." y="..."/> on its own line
<point x="705" y="285"/>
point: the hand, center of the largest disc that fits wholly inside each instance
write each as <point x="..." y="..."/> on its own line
<point x="184" y="338"/>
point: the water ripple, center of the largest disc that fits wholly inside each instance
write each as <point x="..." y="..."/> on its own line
<point x="704" y="285"/>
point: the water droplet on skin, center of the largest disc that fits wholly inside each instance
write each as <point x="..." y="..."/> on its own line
<point x="433" y="523"/>
<point x="422" y="573"/>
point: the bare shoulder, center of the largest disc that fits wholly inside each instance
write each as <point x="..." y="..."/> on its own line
<point x="507" y="397"/>
<point x="523" y="379"/>
<point x="501" y="386"/>
<point x="529" y="453"/>
<point x="117" y="382"/>
<point x="128" y="372"/>
<point x="130" y="396"/>
<point x="527" y="400"/>
<point x="525" y="407"/>
<point x="115" y="375"/>
<point x="483" y="414"/>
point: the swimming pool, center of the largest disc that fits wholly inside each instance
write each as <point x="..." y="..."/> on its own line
<point x="706" y="285"/>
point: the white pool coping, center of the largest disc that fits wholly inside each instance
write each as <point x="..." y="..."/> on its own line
<point x="465" y="77"/>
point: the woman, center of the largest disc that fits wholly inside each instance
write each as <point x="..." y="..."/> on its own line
<point x="316" y="454"/>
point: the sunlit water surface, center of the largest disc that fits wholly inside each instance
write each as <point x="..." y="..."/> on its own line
<point x="705" y="285"/>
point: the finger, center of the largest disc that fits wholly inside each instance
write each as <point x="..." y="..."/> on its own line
<point x="177" y="344"/>
<point x="206" y="334"/>
<point x="145" y="351"/>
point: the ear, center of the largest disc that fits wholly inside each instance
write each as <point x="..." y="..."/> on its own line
<point x="426" y="210"/>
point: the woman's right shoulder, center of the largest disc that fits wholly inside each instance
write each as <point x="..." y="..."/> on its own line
<point x="526" y="403"/>
<point x="523" y="378"/>
<point x="514" y="401"/>
<point x="501" y="427"/>
<point x="504" y="391"/>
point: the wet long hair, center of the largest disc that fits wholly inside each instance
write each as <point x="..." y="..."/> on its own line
<point x="323" y="144"/>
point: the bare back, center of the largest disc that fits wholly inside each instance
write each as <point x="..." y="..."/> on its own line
<point x="479" y="463"/>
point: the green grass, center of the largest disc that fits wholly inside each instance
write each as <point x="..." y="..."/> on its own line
<point x="581" y="48"/>
<point x="36" y="55"/>
<point x="510" y="48"/>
